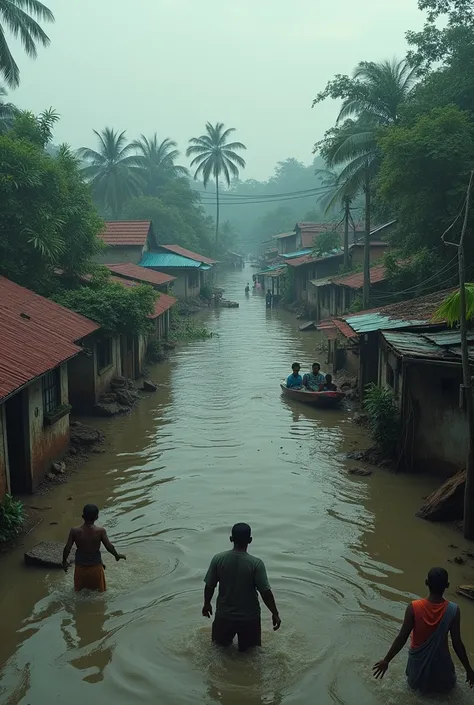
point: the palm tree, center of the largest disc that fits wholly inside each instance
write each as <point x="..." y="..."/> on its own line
<point x="14" y="16"/>
<point x="157" y="160"/>
<point x="113" y="171"/>
<point x="7" y="112"/>
<point x="378" y="91"/>
<point x="215" y="156"/>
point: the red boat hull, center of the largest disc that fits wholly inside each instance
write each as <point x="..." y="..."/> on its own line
<point x="325" y="400"/>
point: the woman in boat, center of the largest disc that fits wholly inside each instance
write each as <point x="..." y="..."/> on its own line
<point x="314" y="381"/>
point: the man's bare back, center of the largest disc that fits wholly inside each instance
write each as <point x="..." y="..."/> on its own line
<point x="88" y="539"/>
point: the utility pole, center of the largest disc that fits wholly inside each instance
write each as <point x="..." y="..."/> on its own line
<point x="347" y="215"/>
<point x="366" y="290"/>
<point x="466" y="388"/>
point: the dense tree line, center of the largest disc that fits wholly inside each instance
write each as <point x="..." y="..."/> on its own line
<point x="404" y="139"/>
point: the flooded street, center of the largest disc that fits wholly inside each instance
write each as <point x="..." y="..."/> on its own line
<point x="217" y="444"/>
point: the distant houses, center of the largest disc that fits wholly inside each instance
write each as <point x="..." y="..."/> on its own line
<point x="192" y="271"/>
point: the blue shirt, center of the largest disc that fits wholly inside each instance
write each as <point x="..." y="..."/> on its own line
<point x="293" y="381"/>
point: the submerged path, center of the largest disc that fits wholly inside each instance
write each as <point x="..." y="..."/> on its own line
<point x="217" y="444"/>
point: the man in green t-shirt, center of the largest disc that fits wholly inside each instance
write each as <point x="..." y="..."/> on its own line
<point x="240" y="576"/>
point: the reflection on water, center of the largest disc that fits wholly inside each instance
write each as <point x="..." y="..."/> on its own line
<point x="218" y="444"/>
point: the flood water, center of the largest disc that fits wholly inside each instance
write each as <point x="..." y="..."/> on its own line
<point x="215" y="445"/>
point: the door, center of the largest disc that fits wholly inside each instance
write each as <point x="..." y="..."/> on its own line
<point x="16" y="414"/>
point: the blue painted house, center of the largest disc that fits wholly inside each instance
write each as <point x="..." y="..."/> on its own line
<point x="191" y="270"/>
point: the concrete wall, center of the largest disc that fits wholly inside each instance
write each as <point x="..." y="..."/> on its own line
<point x="120" y="255"/>
<point x="86" y="381"/>
<point x="357" y="254"/>
<point x="47" y="443"/>
<point x="434" y="424"/>
<point x="4" y="484"/>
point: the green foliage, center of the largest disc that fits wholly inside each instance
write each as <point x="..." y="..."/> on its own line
<point x="357" y="305"/>
<point x="215" y="157"/>
<point x="450" y="309"/>
<point x="118" y="309"/>
<point x="326" y="242"/>
<point x="423" y="272"/>
<point x="383" y="418"/>
<point x="424" y="174"/>
<point x="183" y="328"/>
<point x="287" y="285"/>
<point x="154" y="351"/>
<point x="15" y="18"/>
<point x="206" y="292"/>
<point x="157" y="162"/>
<point x="12" y="518"/>
<point x="37" y="129"/>
<point x="114" y="171"/>
<point x="48" y="218"/>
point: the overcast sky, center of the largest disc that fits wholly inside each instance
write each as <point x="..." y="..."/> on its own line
<point x="170" y="65"/>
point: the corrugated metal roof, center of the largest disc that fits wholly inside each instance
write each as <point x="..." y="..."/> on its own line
<point x="412" y="344"/>
<point x="163" y="260"/>
<point x="373" y="243"/>
<point x="332" y="326"/>
<point x="356" y="281"/>
<point x="300" y="253"/>
<point x="284" y="235"/>
<point x="37" y="335"/>
<point x="382" y="227"/>
<point x="72" y="326"/>
<point x="447" y="337"/>
<point x="457" y="352"/>
<point x="413" y="312"/>
<point x="137" y="273"/>
<point x="321" y="282"/>
<point x="162" y="304"/>
<point x="126" y="232"/>
<point x="188" y="253"/>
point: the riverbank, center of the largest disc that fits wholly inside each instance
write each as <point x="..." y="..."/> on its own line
<point x="344" y="554"/>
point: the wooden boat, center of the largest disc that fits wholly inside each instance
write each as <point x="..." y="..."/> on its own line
<point x="325" y="400"/>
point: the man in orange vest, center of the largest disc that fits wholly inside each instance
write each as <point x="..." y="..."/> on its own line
<point x="430" y="668"/>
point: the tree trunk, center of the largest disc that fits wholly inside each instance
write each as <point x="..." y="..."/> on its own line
<point x="347" y="212"/>
<point x="217" y="209"/>
<point x="366" y="290"/>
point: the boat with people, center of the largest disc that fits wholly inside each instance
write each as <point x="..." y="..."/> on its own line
<point x="324" y="399"/>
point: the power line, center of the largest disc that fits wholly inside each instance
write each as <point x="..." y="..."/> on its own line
<point x="267" y="200"/>
<point x="416" y="288"/>
<point x="228" y="194"/>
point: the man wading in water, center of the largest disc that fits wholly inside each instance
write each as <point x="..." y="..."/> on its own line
<point x="430" y="668"/>
<point x="89" y="571"/>
<point x="239" y="575"/>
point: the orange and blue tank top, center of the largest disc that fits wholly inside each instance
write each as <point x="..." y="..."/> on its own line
<point x="427" y="615"/>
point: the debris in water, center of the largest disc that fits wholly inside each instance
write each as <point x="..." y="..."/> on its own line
<point x="48" y="554"/>
<point x="360" y="472"/>
<point x="466" y="591"/>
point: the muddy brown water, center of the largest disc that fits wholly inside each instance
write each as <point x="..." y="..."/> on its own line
<point x="217" y="444"/>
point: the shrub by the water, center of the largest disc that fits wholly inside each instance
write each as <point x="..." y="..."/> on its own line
<point x="12" y="517"/>
<point x="383" y="418"/>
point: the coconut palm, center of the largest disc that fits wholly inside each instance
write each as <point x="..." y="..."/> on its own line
<point x="16" y="16"/>
<point x="214" y="157"/>
<point x="113" y="171"/>
<point x="157" y="160"/>
<point x="377" y="93"/>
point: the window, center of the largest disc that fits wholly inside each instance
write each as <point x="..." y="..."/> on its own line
<point x="51" y="391"/>
<point x="104" y="353"/>
<point x="390" y="376"/>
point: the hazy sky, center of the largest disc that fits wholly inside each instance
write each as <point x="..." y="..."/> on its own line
<point x="170" y="65"/>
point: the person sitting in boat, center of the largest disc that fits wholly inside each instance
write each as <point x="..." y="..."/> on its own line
<point x="314" y="381"/>
<point x="329" y="385"/>
<point x="430" y="668"/>
<point x="269" y="298"/>
<point x="295" y="380"/>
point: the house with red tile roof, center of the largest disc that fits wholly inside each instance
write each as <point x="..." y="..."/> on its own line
<point x="126" y="241"/>
<point x="133" y="272"/>
<point x="39" y="340"/>
<point x="335" y="295"/>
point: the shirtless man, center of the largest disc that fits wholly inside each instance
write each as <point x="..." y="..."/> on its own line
<point x="89" y="571"/>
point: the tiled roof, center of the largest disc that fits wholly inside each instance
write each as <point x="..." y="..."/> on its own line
<point x="373" y="243"/>
<point x="323" y="227"/>
<point x="309" y="259"/>
<point x="134" y="271"/>
<point x="37" y="335"/>
<point x="126" y="232"/>
<point x="162" y="304"/>
<point x="71" y="325"/>
<point x="356" y="281"/>
<point x="163" y="260"/>
<point x="189" y="254"/>
<point x="331" y="327"/>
